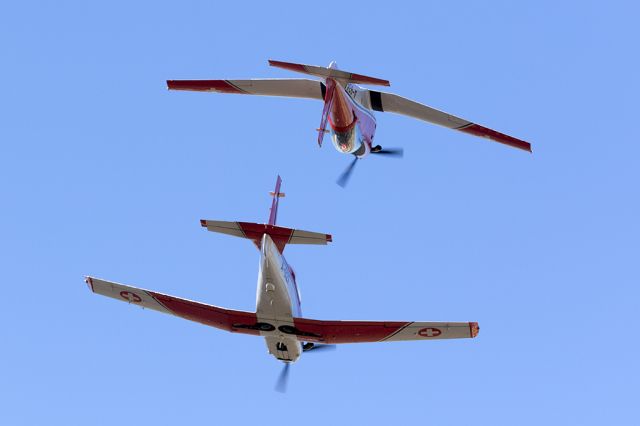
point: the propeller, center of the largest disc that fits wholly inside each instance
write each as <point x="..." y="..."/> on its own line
<point x="391" y="152"/>
<point x="344" y="177"/>
<point x="283" y="378"/>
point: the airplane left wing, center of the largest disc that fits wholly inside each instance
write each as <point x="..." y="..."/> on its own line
<point x="333" y="332"/>
<point x="213" y="316"/>
<point x="287" y="87"/>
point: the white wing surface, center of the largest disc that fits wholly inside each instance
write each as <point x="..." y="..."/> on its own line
<point x="287" y="87"/>
<point x="389" y="102"/>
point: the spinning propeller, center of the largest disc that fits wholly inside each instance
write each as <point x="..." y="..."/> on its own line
<point x="343" y="179"/>
<point x="283" y="378"/>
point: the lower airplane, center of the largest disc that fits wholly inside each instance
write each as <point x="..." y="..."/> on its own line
<point x="278" y="317"/>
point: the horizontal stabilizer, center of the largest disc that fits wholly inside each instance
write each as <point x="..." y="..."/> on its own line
<point x="254" y="231"/>
<point x="346" y="77"/>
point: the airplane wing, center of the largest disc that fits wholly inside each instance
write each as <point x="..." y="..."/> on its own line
<point x="304" y="329"/>
<point x="332" y="332"/>
<point x="288" y="87"/>
<point x="225" y="319"/>
<point x="389" y="102"/>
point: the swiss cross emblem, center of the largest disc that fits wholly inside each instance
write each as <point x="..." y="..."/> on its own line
<point x="430" y="332"/>
<point x="131" y="297"/>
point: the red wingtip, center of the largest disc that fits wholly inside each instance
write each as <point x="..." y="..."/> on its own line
<point x="222" y="86"/>
<point x="203" y="223"/>
<point x="329" y="238"/>
<point x="474" y="328"/>
<point x="89" y="282"/>
<point x="484" y="132"/>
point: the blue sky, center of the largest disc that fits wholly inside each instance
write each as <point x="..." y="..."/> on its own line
<point x="104" y="172"/>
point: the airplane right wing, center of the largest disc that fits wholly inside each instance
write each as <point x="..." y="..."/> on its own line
<point x="389" y="102"/>
<point x="287" y="87"/>
<point x="332" y="332"/>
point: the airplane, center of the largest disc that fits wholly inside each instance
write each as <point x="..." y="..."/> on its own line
<point x="348" y="107"/>
<point x="278" y="316"/>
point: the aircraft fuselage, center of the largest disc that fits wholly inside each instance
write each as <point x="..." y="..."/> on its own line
<point x="278" y="302"/>
<point x="352" y="125"/>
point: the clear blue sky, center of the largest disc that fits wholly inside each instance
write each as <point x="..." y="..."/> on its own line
<point x="105" y="172"/>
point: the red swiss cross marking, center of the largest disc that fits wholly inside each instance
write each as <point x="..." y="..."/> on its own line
<point x="131" y="297"/>
<point x="430" y="332"/>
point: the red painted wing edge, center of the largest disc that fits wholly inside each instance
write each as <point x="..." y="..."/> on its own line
<point x="226" y="319"/>
<point x="288" y="65"/>
<point x="370" y="80"/>
<point x="346" y="331"/>
<point x="478" y="130"/>
<point x="203" y="86"/>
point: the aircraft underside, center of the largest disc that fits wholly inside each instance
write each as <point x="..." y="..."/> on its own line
<point x="277" y="302"/>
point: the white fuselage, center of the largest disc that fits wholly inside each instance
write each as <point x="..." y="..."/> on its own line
<point x="277" y="302"/>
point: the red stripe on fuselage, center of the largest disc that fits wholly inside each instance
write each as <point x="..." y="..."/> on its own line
<point x="341" y="116"/>
<point x="346" y="112"/>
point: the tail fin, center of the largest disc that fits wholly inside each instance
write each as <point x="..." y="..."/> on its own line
<point x="323" y="72"/>
<point x="273" y="212"/>
<point x="255" y="231"/>
<point x="328" y="101"/>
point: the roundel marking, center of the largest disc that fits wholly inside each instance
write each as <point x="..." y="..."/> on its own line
<point x="131" y="297"/>
<point x="430" y="332"/>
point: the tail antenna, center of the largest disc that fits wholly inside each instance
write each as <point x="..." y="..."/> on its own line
<point x="276" y="194"/>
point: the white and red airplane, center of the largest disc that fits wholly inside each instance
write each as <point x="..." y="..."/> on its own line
<point x="278" y="317"/>
<point x="348" y="107"/>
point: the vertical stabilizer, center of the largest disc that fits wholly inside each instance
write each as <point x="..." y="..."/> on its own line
<point x="273" y="212"/>
<point x="255" y="231"/>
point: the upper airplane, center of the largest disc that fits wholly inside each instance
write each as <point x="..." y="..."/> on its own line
<point x="347" y="107"/>
<point x="278" y="317"/>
